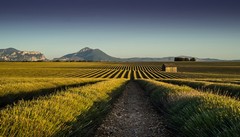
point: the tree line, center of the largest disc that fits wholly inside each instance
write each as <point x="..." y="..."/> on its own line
<point x="184" y="59"/>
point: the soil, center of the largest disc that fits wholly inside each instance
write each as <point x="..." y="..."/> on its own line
<point x="133" y="116"/>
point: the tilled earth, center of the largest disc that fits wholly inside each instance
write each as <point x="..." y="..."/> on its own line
<point x="132" y="116"/>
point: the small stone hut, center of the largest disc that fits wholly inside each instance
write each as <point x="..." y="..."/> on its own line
<point x="169" y="67"/>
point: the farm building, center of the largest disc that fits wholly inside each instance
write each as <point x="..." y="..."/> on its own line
<point x="169" y="67"/>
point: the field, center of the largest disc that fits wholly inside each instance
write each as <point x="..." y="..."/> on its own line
<point x="118" y="70"/>
<point x="72" y="98"/>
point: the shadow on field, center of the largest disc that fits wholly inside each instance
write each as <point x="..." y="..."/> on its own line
<point x="10" y="99"/>
<point x="87" y="123"/>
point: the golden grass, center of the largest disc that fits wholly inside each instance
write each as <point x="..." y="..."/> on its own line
<point x="53" y="115"/>
<point x="227" y="89"/>
<point x="193" y="113"/>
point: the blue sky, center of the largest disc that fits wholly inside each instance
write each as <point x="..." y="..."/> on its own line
<point x="144" y="28"/>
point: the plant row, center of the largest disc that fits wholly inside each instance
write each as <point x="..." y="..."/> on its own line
<point x="230" y="81"/>
<point x="192" y="113"/>
<point x="138" y="74"/>
<point x="76" y="111"/>
<point x="232" y="90"/>
<point x="14" y="89"/>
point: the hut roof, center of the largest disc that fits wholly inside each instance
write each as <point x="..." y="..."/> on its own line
<point x="169" y="65"/>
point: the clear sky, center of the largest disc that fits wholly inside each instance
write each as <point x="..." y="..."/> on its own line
<point x="123" y="28"/>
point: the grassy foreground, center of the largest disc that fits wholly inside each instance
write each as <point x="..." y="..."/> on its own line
<point x="232" y="90"/>
<point x="74" y="111"/>
<point x="14" y="89"/>
<point x="192" y="113"/>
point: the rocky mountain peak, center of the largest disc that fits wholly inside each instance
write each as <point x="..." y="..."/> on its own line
<point x="85" y="49"/>
<point x="8" y="50"/>
<point x="11" y="54"/>
<point x="12" y="49"/>
<point x="88" y="54"/>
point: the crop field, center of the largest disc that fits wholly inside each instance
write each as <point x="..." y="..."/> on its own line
<point x="126" y="70"/>
<point x="73" y="98"/>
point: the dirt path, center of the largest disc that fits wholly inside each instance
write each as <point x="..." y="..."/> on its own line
<point x="132" y="116"/>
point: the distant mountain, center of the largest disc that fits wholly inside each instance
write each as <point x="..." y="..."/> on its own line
<point x="11" y="54"/>
<point x="88" y="54"/>
<point x="208" y="60"/>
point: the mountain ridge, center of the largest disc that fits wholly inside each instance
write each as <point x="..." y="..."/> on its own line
<point x="88" y="54"/>
<point x="12" y="54"/>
